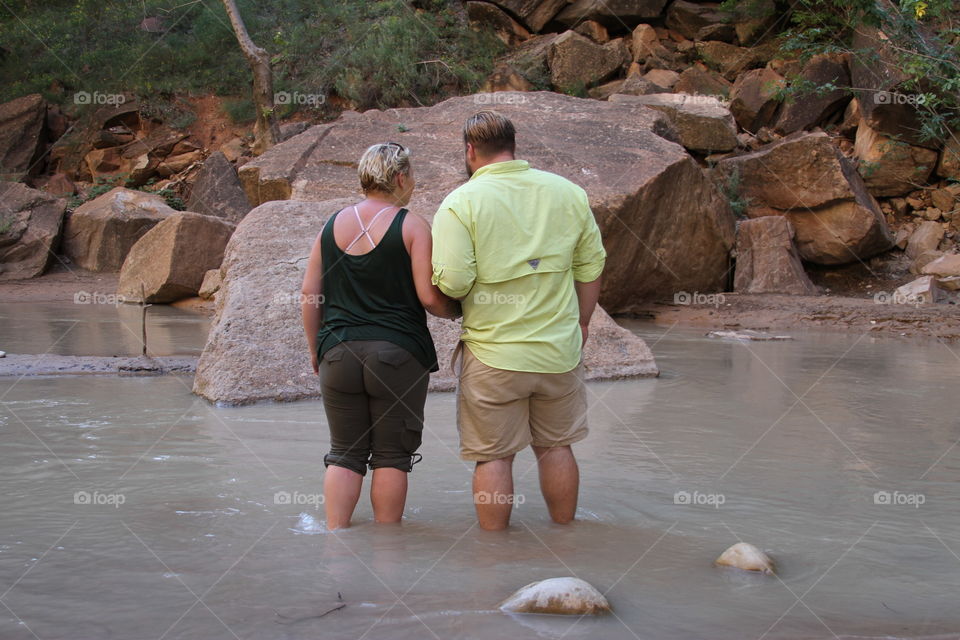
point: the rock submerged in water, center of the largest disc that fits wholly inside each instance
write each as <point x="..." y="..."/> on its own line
<point x="747" y="557"/>
<point x="564" y="596"/>
<point x="747" y="334"/>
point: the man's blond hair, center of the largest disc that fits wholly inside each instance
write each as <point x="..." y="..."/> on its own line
<point x="380" y="165"/>
<point x="490" y="133"/>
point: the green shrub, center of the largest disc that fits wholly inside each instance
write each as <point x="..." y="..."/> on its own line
<point x="924" y="38"/>
<point x="375" y="54"/>
<point x="240" y="110"/>
<point x="731" y="189"/>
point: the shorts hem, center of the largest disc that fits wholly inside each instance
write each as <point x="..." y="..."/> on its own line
<point x="348" y="468"/>
<point x="479" y="457"/>
<point x="565" y="442"/>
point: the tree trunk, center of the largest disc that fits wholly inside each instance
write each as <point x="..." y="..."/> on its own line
<point x="266" y="131"/>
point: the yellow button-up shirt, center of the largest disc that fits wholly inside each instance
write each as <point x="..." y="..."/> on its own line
<point x="510" y="242"/>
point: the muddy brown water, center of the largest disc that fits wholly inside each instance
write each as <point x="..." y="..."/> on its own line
<point x="133" y="509"/>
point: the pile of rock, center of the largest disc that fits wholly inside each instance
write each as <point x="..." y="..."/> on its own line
<point x="113" y="144"/>
<point x="719" y="76"/>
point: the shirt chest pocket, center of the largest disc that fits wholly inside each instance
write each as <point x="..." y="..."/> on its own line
<point x="500" y="267"/>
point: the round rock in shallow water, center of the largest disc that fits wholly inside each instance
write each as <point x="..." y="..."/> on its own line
<point x="746" y="556"/>
<point x="567" y="596"/>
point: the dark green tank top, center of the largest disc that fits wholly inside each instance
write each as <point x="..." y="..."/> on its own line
<point x="372" y="296"/>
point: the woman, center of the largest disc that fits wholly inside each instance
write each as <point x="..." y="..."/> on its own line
<point x="364" y="294"/>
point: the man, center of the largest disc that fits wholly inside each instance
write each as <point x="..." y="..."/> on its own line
<point x="522" y="251"/>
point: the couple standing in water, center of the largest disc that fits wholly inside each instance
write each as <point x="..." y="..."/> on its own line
<point x="518" y="250"/>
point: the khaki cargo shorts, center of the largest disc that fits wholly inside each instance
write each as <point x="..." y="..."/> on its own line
<point x="502" y="412"/>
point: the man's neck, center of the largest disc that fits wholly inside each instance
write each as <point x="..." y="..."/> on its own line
<point x="506" y="156"/>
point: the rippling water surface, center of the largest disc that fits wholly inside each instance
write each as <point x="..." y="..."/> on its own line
<point x="133" y="509"/>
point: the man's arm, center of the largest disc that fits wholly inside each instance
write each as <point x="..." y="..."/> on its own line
<point x="589" y="258"/>
<point x="588" y="293"/>
<point x="454" y="258"/>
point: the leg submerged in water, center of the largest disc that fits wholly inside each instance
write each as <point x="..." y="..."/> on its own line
<point x="559" y="481"/>
<point x="341" y="491"/>
<point x="493" y="493"/>
<point x="388" y="494"/>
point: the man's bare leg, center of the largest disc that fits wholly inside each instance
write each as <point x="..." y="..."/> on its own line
<point x="388" y="494"/>
<point x="341" y="490"/>
<point x="493" y="493"/>
<point x="559" y="481"/>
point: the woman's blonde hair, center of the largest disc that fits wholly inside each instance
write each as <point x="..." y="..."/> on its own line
<point x="380" y="165"/>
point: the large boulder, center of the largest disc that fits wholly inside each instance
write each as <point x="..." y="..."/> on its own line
<point x="171" y="259"/>
<point x="925" y="238"/>
<point x="949" y="164"/>
<point x="645" y="45"/>
<point x="488" y="16"/>
<point x="730" y="60"/>
<point x="701" y="21"/>
<point x="805" y="178"/>
<point x="767" y="259"/>
<point x="923" y="290"/>
<point x="21" y="136"/>
<point x="659" y="239"/>
<point x="256" y="350"/>
<point x="703" y="123"/>
<point x="891" y="167"/>
<point x="577" y="62"/>
<point x="698" y="80"/>
<point x="529" y="62"/>
<point x="753" y="99"/>
<point x="532" y="13"/>
<point x="811" y="106"/>
<point x="30" y="225"/>
<point x="946" y="266"/>
<point x="217" y="190"/>
<point x="100" y="233"/>
<point x="611" y="13"/>
<point x="878" y="82"/>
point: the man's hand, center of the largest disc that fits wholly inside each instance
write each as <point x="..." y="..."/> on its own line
<point x="315" y="363"/>
<point x="585" y="332"/>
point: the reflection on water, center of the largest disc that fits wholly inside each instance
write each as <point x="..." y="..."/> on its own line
<point x="203" y="522"/>
<point x="99" y="329"/>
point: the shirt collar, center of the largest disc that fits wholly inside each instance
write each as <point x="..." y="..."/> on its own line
<point x="508" y="166"/>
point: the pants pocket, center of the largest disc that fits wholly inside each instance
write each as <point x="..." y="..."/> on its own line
<point x="412" y="436"/>
<point x="394" y="356"/>
<point x="334" y="354"/>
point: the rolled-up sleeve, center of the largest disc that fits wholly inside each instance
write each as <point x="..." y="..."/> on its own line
<point x="589" y="256"/>
<point x="454" y="257"/>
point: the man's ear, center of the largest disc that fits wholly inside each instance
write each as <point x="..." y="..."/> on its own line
<point x="471" y="151"/>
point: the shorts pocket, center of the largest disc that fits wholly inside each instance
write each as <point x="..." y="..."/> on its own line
<point x="394" y="356"/>
<point x="412" y="436"/>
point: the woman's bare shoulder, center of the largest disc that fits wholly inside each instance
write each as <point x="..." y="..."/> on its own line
<point x="415" y="224"/>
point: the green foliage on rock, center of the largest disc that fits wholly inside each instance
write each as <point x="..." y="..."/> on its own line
<point x="923" y="38"/>
<point x="374" y="54"/>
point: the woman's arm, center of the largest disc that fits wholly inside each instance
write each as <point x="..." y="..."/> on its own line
<point x="416" y="235"/>
<point x="311" y="298"/>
